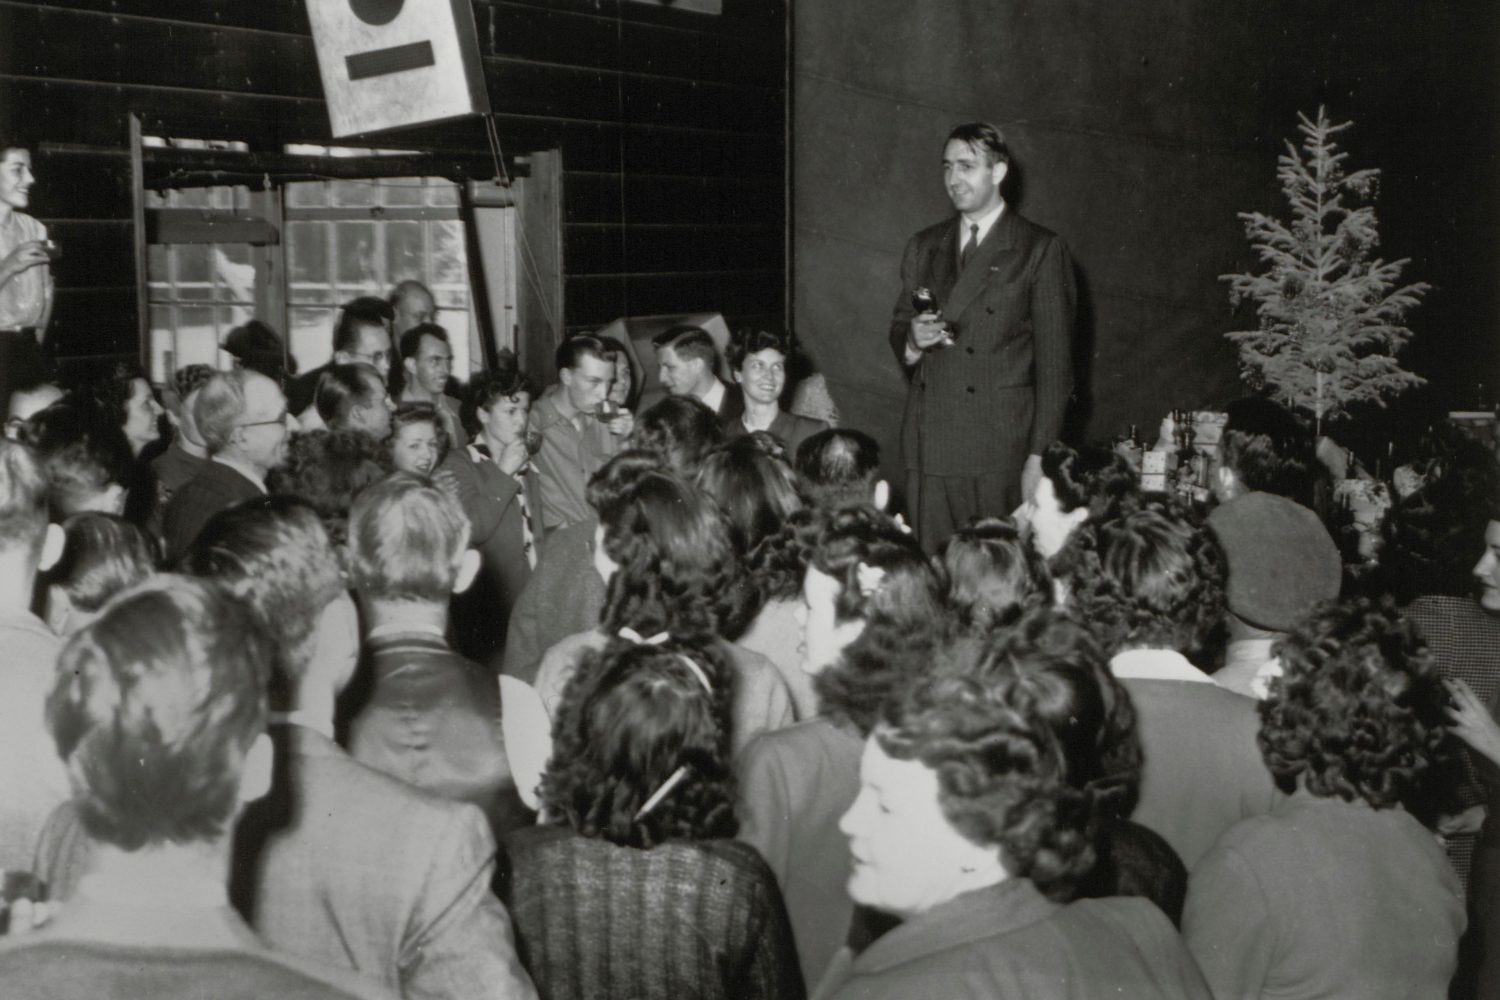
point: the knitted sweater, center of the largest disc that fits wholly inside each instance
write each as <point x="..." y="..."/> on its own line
<point x="683" y="920"/>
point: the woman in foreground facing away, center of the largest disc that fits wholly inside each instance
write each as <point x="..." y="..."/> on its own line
<point x="668" y="559"/>
<point x="968" y="828"/>
<point x="638" y="891"/>
<point x="1338" y="891"/>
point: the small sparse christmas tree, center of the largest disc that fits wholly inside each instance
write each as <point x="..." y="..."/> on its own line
<point x="1331" y="313"/>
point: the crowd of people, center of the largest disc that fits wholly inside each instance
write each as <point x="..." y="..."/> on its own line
<point x="375" y="682"/>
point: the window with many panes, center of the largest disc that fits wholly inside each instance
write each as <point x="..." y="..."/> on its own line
<point x="339" y="239"/>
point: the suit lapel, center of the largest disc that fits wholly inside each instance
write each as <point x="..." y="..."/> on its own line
<point x="944" y="269"/>
<point x="972" y="279"/>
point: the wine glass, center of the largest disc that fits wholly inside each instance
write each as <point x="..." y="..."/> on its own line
<point x="533" y="440"/>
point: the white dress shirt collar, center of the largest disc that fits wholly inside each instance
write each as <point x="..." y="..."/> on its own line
<point x="1155" y="665"/>
<point x="714" y="396"/>
<point x="986" y="222"/>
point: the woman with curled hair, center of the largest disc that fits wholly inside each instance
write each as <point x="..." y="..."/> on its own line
<point x="993" y="574"/>
<point x="670" y="567"/>
<point x="1067" y="684"/>
<point x="1339" y="891"/>
<point x="1151" y="578"/>
<point x="102" y="555"/>
<point x="1076" y="484"/>
<point x="756" y="489"/>
<point x="871" y="614"/>
<point x="419" y="442"/>
<point x="1436" y="561"/>
<point x="494" y="481"/>
<point x="637" y="889"/>
<point x="968" y="826"/>
<point x="1152" y="591"/>
<point x="681" y="430"/>
<point x="759" y="361"/>
<point x="328" y="469"/>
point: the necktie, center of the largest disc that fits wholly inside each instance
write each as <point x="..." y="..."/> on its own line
<point x="968" y="249"/>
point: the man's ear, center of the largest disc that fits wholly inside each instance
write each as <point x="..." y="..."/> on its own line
<point x="468" y="569"/>
<point x="255" y="775"/>
<point x="52" y="547"/>
<point x="882" y="497"/>
<point x="998" y="172"/>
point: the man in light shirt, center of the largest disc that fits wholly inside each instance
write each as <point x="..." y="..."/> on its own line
<point x="577" y="434"/>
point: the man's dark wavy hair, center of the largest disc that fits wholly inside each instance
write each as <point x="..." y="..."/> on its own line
<point x="904" y="616"/>
<point x="1359" y="712"/>
<point x="630" y="716"/>
<point x="1092" y="477"/>
<point x="676" y="557"/>
<point x="1269" y="448"/>
<point x="1151" y="578"/>
<point x="754" y="487"/>
<point x="994" y="573"/>
<point x="1055" y="660"/>
<point x="680" y="429"/>
<point x="1002" y="775"/>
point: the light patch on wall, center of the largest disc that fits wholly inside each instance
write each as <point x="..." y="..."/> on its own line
<point x="701" y="6"/>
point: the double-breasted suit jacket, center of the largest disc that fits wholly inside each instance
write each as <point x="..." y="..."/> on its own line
<point x="1000" y="392"/>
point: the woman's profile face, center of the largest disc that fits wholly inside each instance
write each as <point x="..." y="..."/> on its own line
<point x="907" y="857"/>
<point x="823" y="638"/>
<point x="141" y="412"/>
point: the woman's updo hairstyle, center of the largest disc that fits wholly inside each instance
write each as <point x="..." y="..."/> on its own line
<point x="993" y="573"/>
<point x="675" y="554"/>
<point x="1002" y="774"/>
<point x="636" y="719"/>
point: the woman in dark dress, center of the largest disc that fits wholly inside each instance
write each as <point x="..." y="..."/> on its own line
<point x="637" y="890"/>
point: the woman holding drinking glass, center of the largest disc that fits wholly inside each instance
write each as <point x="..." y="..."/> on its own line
<point x="492" y="480"/>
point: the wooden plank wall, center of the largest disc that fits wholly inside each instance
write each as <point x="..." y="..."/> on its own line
<point x="671" y="126"/>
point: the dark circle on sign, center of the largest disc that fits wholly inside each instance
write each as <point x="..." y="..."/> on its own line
<point x="376" y="12"/>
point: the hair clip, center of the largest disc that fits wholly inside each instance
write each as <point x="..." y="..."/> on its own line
<point x="870" y="578"/>
<point x="676" y="778"/>
<point x="631" y="634"/>
<point x="697" y="671"/>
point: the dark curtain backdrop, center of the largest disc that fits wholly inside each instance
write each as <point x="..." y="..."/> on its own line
<point x="1138" y="132"/>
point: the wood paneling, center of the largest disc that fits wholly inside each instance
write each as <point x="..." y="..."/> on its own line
<point x="670" y="126"/>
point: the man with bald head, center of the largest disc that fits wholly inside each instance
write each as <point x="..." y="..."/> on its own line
<point x="242" y="417"/>
<point x="413" y="305"/>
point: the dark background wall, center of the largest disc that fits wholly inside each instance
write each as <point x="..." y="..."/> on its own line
<point x="671" y="126"/>
<point x="1139" y="131"/>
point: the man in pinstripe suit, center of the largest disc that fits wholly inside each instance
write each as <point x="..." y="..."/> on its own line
<point x="990" y="370"/>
